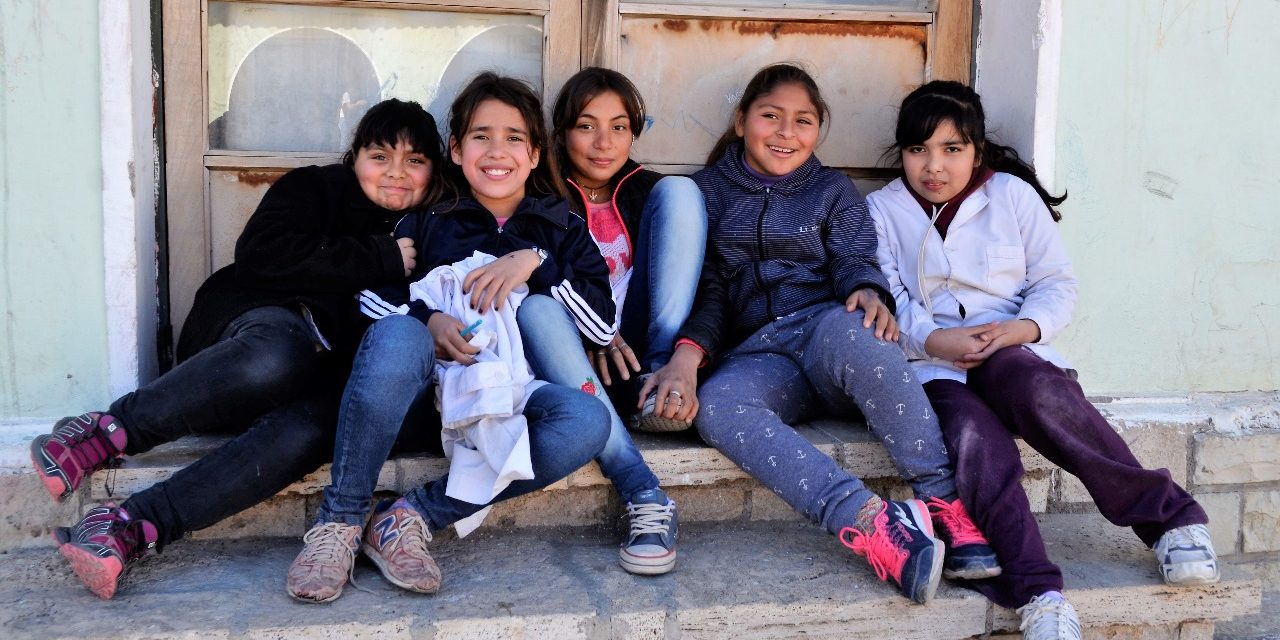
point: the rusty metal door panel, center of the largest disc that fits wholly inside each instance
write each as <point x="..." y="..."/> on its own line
<point x="234" y="194"/>
<point x="692" y="72"/>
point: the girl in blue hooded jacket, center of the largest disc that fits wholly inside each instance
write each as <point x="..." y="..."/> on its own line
<point x="796" y="321"/>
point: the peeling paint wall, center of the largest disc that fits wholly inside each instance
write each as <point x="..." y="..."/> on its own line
<point x="53" y="343"/>
<point x="1167" y="143"/>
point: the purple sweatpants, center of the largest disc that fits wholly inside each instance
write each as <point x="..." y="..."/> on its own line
<point x="1015" y="393"/>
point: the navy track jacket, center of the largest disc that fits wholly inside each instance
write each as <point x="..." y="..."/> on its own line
<point x="573" y="273"/>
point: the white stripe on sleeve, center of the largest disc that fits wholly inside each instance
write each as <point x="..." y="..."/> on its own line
<point x="375" y="307"/>
<point x="589" y="323"/>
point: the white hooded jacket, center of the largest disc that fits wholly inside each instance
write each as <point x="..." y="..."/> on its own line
<point x="1002" y="260"/>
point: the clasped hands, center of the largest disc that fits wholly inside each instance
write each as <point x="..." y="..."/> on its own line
<point x="969" y="347"/>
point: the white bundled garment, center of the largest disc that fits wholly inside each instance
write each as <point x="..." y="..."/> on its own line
<point x="481" y="406"/>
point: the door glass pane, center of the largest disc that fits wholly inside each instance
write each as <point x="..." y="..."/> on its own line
<point x="298" y="78"/>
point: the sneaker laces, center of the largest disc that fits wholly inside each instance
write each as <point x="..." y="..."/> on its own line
<point x="881" y="550"/>
<point x="955" y="519"/>
<point x="324" y="545"/>
<point x="650" y="518"/>
<point x="87" y="443"/>
<point x="1049" y="619"/>
<point x="1185" y="538"/>
<point x="411" y="528"/>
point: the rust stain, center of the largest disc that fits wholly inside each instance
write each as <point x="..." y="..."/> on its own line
<point x="258" y="178"/>
<point x="912" y="33"/>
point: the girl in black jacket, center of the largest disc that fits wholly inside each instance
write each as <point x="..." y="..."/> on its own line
<point x="651" y="231"/>
<point x="496" y="140"/>
<point x="262" y="352"/>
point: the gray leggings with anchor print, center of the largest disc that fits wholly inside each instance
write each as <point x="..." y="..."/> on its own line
<point x="821" y="362"/>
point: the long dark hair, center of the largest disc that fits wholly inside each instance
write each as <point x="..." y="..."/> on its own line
<point x="544" y="179"/>
<point x="764" y="82"/>
<point x="392" y="120"/>
<point x="580" y="89"/>
<point x="942" y="101"/>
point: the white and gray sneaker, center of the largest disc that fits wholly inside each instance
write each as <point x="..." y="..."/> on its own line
<point x="650" y="547"/>
<point x="1049" y="617"/>
<point x="1186" y="556"/>
<point x="648" y="418"/>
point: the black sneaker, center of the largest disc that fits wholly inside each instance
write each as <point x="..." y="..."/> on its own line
<point x="969" y="555"/>
<point x="901" y="546"/>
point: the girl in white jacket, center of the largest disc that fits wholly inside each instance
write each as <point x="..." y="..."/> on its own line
<point x="982" y="283"/>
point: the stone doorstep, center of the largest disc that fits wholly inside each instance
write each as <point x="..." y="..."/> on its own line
<point x="733" y="581"/>
<point x="679" y="459"/>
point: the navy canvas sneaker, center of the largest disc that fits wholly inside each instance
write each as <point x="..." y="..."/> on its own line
<point x="650" y="547"/>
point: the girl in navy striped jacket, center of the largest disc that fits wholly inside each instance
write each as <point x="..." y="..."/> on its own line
<point x="796" y="318"/>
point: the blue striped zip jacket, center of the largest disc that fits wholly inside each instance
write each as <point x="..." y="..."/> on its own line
<point x="774" y="251"/>
<point x="573" y="273"/>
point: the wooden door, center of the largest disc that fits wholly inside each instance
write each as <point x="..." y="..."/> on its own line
<point x="253" y="88"/>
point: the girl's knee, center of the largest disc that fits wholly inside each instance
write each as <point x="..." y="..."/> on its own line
<point x="402" y="340"/>
<point x="538" y="312"/>
<point x="590" y="418"/>
<point x="680" y="200"/>
<point x="536" y="304"/>
<point x="278" y="368"/>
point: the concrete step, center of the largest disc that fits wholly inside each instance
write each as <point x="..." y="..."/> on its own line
<point x="737" y="580"/>
<point x="707" y="485"/>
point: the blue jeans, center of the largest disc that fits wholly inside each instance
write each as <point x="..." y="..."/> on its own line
<point x="668" y="259"/>
<point x="566" y="430"/>
<point x="555" y="351"/>
<point x="392" y="370"/>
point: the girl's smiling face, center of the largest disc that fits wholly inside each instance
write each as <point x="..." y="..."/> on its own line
<point x="394" y="178"/>
<point x="779" y="130"/>
<point x="940" y="167"/>
<point x="600" y="140"/>
<point x="496" y="156"/>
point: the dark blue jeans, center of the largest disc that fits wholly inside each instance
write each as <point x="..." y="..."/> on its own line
<point x="263" y="379"/>
<point x="391" y="375"/>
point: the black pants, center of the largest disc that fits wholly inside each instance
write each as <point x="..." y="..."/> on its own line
<point x="263" y="380"/>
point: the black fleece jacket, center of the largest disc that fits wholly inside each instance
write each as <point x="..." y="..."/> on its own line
<point x="315" y="239"/>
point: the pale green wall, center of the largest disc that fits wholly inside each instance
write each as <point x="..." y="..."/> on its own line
<point x="1179" y="292"/>
<point x="53" y="347"/>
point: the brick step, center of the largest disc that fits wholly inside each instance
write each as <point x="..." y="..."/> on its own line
<point x="706" y="485"/>
<point x="741" y="580"/>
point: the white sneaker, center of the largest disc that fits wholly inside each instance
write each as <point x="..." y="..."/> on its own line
<point x="1186" y="556"/>
<point x="1049" y="618"/>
